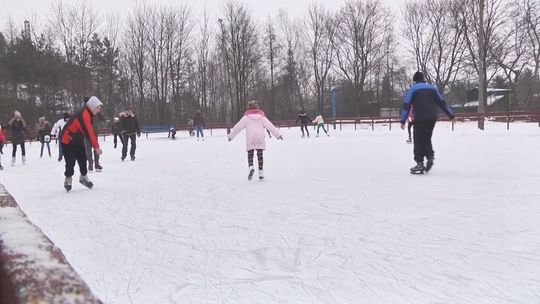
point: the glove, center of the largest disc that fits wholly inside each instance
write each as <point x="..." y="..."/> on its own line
<point x="139" y="134"/>
<point x="99" y="151"/>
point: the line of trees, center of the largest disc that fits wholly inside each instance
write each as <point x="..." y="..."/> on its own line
<point x="167" y="62"/>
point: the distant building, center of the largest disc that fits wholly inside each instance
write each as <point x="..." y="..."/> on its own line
<point x="497" y="100"/>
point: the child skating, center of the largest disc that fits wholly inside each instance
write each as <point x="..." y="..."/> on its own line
<point x="255" y="123"/>
<point x="319" y="121"/>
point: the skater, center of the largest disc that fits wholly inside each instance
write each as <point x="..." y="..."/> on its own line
<point x="198" y="121"/>
<point x="91" y="154"/>
<point x="190" y="126"/>
<point x="424" y="98"/>
<point x="172" y="132"/>
<point x="2" y="143"/>
<point x="130" y="131"/>
<point x="116" y="129"/>
<point x="44" y="135"/>
<point x="254" y="121"/>
<point x="72" y="138"/>
<point x="57" y="130"/>
<point x="17" y="129"/>
<point x="410" y="123"/>
<point x="304" y="120"/>
<point x="319" y="121"/>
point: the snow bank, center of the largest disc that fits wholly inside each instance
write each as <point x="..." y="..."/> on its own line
<point x="31" y="266"/>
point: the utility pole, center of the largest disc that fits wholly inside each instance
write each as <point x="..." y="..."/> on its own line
<point x="481" y="66"/>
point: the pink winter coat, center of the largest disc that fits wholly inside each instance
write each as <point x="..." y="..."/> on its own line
<point x="255" y="124"/>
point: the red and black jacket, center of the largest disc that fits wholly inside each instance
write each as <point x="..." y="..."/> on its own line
<point x="77" y="128"/>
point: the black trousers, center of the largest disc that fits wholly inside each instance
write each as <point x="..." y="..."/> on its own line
<point x="115" y="139"/>
<point x="72" y="154"/>
<point x="125" y="140"/>
<point x="23" y="150"/>
<point x="423" y="130"/>
<point x="302" y="127"/>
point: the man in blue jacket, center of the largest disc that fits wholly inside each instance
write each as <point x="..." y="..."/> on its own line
<point x="424" y="98"/>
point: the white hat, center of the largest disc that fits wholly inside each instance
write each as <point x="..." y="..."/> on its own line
<point x="93" y="103"/>
<point x="116" y="119"/>
<point x="17" y="114"/>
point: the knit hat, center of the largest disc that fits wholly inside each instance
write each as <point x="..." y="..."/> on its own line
<point x="66" y="115"/>
<point x="418" y="77"/>
<point x="17" y="114"/>
<point x="92" y="103"/>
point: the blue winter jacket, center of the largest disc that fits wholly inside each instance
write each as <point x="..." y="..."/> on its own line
<point x="424" y="98"/>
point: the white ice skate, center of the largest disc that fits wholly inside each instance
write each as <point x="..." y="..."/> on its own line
<point x="261" y="174"/>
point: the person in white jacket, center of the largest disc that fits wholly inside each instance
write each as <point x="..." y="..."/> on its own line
<point x="319" y="121"/>
<point x="57" y="130"/>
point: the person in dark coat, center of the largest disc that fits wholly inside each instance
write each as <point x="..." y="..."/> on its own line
<point x="198" y="122"/>
<point x="44" y="135"/>
<point x="130" y="132"/>
<point x="424" y="98"/>
<point x="304" y="120"/>
<point x="17" y="131"/>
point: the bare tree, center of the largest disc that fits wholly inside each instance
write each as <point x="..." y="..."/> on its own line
<point x="360" y="39"/>
<point x="242" y="48"/>
<point x="531" y="15"/>
<point x="203" y="58"/>
<point x="320" y="30"/>
<point x="135" y="50"/>
<point x="272" y="51"/>
<point x="510" y="51"/>
<point x="290" y="34"/>
<point x="482" y="22"/>
<point x="437" y="39"/>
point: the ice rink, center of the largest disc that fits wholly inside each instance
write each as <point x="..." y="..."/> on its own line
<point x="338" y="219"/>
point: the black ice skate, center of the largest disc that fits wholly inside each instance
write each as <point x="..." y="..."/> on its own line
<point x="86" y="182"/>
<point x="99" y="168"/>
<point x="68" y="183"/>
<point x="429" y="164"/>
<point x="133" y="158"/>
<point x="418" y="169"/>
<point x="251" y="172"/>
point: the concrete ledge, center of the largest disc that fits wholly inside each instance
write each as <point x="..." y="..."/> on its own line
<point x="32" y="268"/>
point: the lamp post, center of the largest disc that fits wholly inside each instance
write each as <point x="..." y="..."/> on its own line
<point x="333" y="102"/>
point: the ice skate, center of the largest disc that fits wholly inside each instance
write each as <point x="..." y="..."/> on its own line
<point x="251" y="171"/>
<point x="418" y="169"/>
<point x="1" y="168"/>
<point x="261" y="175"/>
<point x="133" y="158"/>
<point x="99" y="168"/>
<point x="68" y="183"/>
<point x="13" y="161"/>
<point x="123" y="158"/>
<point x="24" y="160"/>
<point x="86" y="182"/>
<point x="429" y="164"/>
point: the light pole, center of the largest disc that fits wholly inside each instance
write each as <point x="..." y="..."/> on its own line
<point x="333" y="102"/>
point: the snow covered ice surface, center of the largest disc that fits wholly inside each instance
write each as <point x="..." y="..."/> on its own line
<point x="337" y="220"/>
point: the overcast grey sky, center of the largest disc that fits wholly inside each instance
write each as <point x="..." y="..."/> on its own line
<point x="24" y="9"/>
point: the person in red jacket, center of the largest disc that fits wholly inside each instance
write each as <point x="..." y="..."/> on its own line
<point x="72" y="140"/>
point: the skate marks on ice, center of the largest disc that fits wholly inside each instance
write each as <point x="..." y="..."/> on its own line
<point x="337" y="221"/>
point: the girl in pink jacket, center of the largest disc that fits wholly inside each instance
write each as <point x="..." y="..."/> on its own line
<point x="255" y="123"/>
